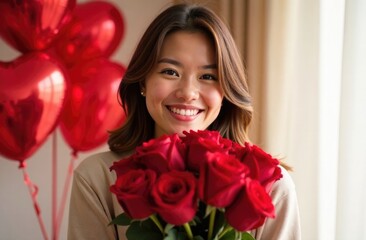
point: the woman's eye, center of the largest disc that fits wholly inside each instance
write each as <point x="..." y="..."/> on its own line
<point x="208" y="77"/>
<point x="170" y="72"/>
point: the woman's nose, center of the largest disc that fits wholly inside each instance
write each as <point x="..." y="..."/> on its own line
<point x="187" y="89"/>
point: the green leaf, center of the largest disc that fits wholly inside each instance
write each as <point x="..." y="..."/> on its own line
<point x="230" y="235"/>
<point x="168" y="227"/>
<point x="122" y="219"/>
<point x="174" y="234"/>
<point x="143" y="230"/>
<point x="171" y="234"/>
<point x="247" y="236"/>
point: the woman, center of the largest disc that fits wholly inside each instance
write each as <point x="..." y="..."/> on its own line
<point x="186" y="74"/>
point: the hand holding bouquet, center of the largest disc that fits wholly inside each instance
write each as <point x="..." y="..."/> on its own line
<point x="200" y="186"/>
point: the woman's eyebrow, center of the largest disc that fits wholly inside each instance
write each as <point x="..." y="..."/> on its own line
<point x="210" y="66"/>
<point x="170" y="61"/>
<point x="177" y="63"/>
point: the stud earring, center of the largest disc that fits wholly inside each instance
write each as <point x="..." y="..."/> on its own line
<point x="142" y="93"/>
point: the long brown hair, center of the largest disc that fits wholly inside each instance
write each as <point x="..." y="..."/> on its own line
<point x="236" y="112"/>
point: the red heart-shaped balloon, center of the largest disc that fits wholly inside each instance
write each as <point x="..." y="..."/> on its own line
<point x="96" y="30"/>
<point x="32" y="93"/>
<point x="92" y="108"/>
<point x="33" y="24"/>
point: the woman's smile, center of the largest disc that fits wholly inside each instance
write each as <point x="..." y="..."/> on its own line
<point x="184" y="113"/>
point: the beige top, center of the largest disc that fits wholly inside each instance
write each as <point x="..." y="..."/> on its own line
<point x="93" y="206"/>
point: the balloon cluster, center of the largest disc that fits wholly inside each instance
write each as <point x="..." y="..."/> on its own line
<point x="63" y="77"/>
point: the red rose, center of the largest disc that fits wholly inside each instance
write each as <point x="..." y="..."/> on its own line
<point x="192" y="135"/>
<point x="163" y="154"/>
<point x="201" y="142"/>
<point x="221" y="177"/>
<point x="251" y="207"/>
<point x="174" y="196"/>
<point x="263" y="166"/>
<point x="132" y="190"/>
<point x="125" y="165"/>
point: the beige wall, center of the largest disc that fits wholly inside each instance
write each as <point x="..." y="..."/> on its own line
<point x="17" y="216"/>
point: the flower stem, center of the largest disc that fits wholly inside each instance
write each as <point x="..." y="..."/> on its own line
<point x="212" y="223"/>
<point x="188" y="230"/>
<point x="226" y="229"/>
<point x="157" y="223"/>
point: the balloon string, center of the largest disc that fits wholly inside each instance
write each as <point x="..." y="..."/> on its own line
<point x="33" y="190"/>
<point x="65" y="191"/>
<point x="54" y="186"/>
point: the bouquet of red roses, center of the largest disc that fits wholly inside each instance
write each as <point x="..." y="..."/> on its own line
<point x="200" y="186"/>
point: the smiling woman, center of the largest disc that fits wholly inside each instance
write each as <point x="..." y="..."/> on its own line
<point x="186" y="74"/>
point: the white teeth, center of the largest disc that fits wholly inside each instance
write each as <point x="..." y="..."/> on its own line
<point x="184" y="112"/>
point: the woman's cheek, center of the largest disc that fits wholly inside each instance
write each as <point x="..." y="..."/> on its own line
<point x="213" y="96"/>
<point x="159" y="90"/>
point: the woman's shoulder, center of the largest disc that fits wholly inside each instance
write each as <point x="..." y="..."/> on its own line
<point x="97" y="164"/>
<point x="286" y="224"/>
<point x="283" y="187"/>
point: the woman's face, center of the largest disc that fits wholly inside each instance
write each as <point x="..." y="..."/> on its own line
<point x="182" y="91"/>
